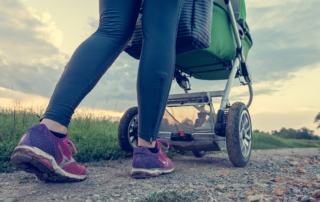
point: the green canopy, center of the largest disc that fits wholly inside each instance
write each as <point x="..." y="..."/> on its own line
<point x="210" y="63"/>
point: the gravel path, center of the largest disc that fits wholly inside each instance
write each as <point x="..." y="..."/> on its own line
<point x="271" y="175"/>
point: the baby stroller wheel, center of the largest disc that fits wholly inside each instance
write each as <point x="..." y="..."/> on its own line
<point x="239" y="134"/>
<point x="128" y="130"/>
<point x="199" y="154"/>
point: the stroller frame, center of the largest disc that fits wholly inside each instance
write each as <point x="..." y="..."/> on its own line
<point x="229" y="124"/>
<point x="186" y="99"/>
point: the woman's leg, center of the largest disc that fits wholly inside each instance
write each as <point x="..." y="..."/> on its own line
<point x="159" y="23"/>
<point x="92" y="59"/>
<point x="46" y="153"/>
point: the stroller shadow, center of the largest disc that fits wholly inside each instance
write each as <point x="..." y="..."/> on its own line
<point x="206" y="161"/>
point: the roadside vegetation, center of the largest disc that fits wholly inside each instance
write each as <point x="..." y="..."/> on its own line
<point x="96" y="137"/>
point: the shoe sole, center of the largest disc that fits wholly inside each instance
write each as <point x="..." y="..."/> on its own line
<point x="43" y="165"/>
<point x="148" y="173"/>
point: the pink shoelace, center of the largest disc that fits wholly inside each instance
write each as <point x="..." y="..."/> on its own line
<point x="159" y="143"/>
<point x="72" y="145"/>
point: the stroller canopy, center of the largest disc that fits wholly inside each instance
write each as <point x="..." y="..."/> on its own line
<point x="211" y="63"/>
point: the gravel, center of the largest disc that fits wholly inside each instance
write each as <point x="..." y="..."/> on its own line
<point x="269" y="176"/>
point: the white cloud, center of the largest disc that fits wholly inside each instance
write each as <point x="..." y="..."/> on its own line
<point x="270" y="3"/>
<point x="28" y="37"/>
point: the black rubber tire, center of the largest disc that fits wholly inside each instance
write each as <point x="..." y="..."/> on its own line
<point x="125" y="120"/>
<point x="232" y="135"/>
<point x="199" y="154"/>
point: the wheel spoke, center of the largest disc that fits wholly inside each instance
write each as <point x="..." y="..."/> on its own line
<point x="241" y="144"/>
<point x="245" y="121"/>
<point x="248" y="137"/>
<point x="133" y="139"/>
<point x="247" y="129"/>
<point x="245" y="142"/>
<point x="244" y="151"/>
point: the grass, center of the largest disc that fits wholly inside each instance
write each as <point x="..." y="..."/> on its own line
<point x="23" y="180"/>
<point x="171" y="196"/>
<point x="96" y="138"/>
<point x="266" y="141"/>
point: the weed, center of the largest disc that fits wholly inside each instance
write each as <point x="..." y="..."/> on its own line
<point x="111" y="165"/>
<point x="171" y="196"/>
<point x="23" y="180"/>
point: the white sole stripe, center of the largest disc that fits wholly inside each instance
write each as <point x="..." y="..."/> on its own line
<point x="155" y="171"/>
<point x="50" y="158"/>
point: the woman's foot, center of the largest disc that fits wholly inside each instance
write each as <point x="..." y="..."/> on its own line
<point x="48" y="156"/>
<point x="146" y="164"/>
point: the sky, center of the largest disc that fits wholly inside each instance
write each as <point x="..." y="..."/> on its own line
<point x="38" y="37"/>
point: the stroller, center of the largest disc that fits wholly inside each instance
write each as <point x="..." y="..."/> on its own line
<point x="230" y="128"/>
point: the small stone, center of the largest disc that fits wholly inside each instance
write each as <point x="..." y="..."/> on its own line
<point x="305" y="199"/>
<point x="261" y="185"/>
<point x="301" y="170"/>
<point x="242" y="196"/>
<point x="220" y="187"/>
<point x="312" y="200"/>
<point x="8" y="200"/>
<point x="281" y="191"/>
<point x="88" y="200"/>
<point x="65" y="197"/>
<point x="224" y="174"/>
<point x="316" y="194"/>
<point x="256" y="198"/>
<point x="210" y="199"/>
<point x="296" y="191"/>
<point x="293" y="163"/>
<point x="96" y="196"/>
<point x="306" y="191"/>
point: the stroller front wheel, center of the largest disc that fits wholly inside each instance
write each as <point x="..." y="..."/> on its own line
<point x="128" y="130"/>
<point x="239" y="134"/>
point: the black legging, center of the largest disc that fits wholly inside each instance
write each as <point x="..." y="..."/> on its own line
<point x="96" y="54"/>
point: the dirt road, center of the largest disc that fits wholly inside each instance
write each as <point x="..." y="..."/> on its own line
<point x="271" y="175"/>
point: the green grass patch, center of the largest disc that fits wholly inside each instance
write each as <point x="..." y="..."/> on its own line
<point x="94" y="139"/>
<point x="171" y="196"/>
<point x="266" y="141"/>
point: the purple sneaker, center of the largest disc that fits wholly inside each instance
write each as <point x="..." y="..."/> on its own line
<point x="146" y="164"/>
<point x="47" y="156"/>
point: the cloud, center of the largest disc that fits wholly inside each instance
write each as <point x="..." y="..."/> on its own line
<point x="27" y="37"/>
<point x="285" y="38"/>
<point x="30" y="60"/>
